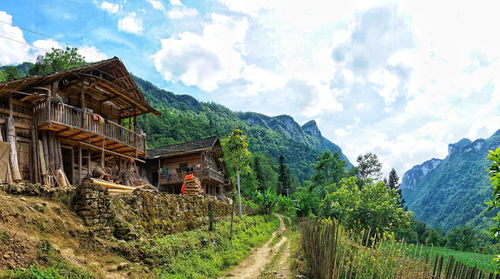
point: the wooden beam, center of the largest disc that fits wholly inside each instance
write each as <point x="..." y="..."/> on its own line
<point x="110" y="152"/>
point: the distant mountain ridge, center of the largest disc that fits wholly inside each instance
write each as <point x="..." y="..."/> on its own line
<point x="451" y="192"/>
<point x="271" y="135"/>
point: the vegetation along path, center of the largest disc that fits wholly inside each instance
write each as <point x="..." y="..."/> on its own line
<point x="272" y="257"/>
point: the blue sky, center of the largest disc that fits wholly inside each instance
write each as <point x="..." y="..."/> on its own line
<point x="398" y="78"/>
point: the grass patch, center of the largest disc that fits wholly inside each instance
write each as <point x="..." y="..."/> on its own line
<point x="203" y="254"/>
<point x="480" y="261"/>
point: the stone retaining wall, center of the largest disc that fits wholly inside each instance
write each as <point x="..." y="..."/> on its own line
<point x="128" y="216"/>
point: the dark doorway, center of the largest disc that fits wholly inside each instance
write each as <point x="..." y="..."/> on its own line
<point x="67" y="154"/>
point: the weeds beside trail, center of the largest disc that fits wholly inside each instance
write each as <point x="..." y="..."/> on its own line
<point x="334" y="253"/>
<point x="203" y="254"/>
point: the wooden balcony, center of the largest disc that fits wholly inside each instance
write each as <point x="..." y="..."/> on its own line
<point x="74" y="124"/>
<point x="206" y="174"/>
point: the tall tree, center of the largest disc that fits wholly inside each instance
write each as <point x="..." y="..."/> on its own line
<point x="284" y="181"/>
<point x="329" y="168"/>
<point x="237" y="156"/>
<point x="393" y="182"/>
<point x="369" y="167"/>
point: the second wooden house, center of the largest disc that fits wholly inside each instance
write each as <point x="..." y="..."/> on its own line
<point x="169" y="166"/>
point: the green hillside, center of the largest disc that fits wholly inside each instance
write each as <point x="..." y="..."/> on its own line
<point x="452" y="192"/>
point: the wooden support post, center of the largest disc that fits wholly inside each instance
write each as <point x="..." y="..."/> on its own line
<point x="102" y="155"/>
<point x="89" y="161"/>
<point x="159" y="176"/>
<point x="11" y="139"/>
<point x="73" y="178"/>
<point x="34" y="151"/>
<point x="49" y="107"/>
<point x="79" y="164"/>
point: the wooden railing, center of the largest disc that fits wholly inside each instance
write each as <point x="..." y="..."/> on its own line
<point x="202" y="174"/>
<point x="76" y="118"/>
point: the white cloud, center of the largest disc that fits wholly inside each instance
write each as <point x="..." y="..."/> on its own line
<point x="408" y="81"/>
<point x="176" y="3"/>
<point x="130" y="24"/>
<point x="109" y="7"/>
<point x="182" y="12"/>
<point x="204" y="60"/>
<point x="91" y="53"/>
<point x="156" y="4"/>
<point x="46" y="45"/>
<point x="13" y="46"/>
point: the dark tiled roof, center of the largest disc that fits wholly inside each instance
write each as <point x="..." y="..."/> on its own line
<point x="181" y="148"/>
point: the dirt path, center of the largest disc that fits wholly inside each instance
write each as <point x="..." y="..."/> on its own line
<point x="252" y="267"/>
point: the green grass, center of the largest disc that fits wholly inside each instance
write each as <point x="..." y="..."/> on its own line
<point x="201" y="254"/>
<point x="480" y="261"/>
<point x="483" y="262"/>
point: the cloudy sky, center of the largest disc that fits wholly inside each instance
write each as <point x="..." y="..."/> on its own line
<point x="401" y="79"/>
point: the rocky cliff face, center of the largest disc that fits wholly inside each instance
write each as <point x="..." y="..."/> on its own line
<point x="312" y="129"/>
<point x="415" y="174"/>
<point x="452" y="191"/>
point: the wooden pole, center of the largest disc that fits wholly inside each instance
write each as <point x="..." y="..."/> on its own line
<point x="84" y="105"/>
<point x="239" y="192"/>
<point x="73" y="178"/>
<point x="43" y="166"/>
<point x="34" y="150"/>
<point x="89" y="174"/>
<point x="159" y="176"/>
<point x="49" y="108"/>
<point x="11" y="139"/>
<point x="79" y="164"/>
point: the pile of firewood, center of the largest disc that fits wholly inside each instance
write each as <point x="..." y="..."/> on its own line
<point x="192" y="186"/>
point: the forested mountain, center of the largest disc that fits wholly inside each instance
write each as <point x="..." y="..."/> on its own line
<point x="451" y="192"/>
<point x="184" y="118"/>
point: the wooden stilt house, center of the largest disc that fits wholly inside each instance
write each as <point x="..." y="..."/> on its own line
<point x="171" y="164"/>
<point x="58" y="129"/>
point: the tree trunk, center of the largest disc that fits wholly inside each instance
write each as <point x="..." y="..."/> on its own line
<point x="239" y="192"/>
<point x="11" y="139"/>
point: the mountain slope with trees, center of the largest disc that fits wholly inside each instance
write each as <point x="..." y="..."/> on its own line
<point x="184" y="118"/>
<point x="452" y="192"/>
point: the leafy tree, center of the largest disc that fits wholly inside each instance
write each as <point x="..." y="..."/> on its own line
<point x="308" y="198"/>
<point x="494" y="170"/>
<point x="237" y="156"/>
<point x="57" y="60"/>
<point x="461" y="238"/>
<point x="369" y="167"/>
<point x="3" y="76"/>
<point x="10" y="73"/>
<point x="372" y="206"/>
<point x="329" y="168"/>
<point x="267" y="199"/>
